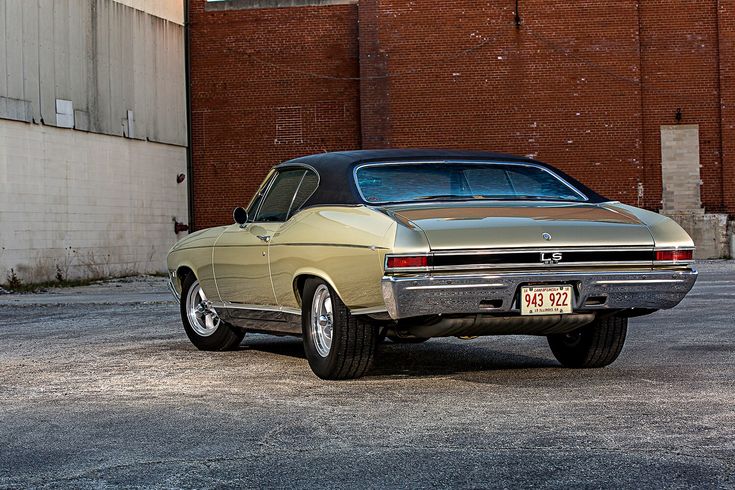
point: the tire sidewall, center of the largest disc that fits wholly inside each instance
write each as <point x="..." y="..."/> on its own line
<point x="221" y="337"/>
<point x="321" y="366"/>
<point x="598" y="344"/>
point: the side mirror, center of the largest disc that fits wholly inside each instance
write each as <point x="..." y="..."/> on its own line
<point x="240" y="215"/>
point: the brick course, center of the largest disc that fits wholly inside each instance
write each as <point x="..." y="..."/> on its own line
<point x="249" y="113"/>
<point x="584" y="85"/>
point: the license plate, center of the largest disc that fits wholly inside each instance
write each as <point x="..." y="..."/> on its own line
<point x="546" y="300"/>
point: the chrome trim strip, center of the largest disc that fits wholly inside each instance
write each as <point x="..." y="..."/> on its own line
<point x="343" y="245"/>
<point x="457" y="286"/>
<point x="228" y="305"/>
<point x="484" y="162"/>
<point x="292" y="212"/>
<point x="267" y="188"/>
<point x="293" y="198"/>
<point x="290" y="311"/>
<point x="641" y="281"/>
<point x="369" y="311"/>
<point x="172" y="288"/>
<point x="538" y="265"/>
<point x="673" y="262"/>
<point x="490" y="251"/>
<point x="287" y="310"/>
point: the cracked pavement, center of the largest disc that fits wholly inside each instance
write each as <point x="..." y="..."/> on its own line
<point x="100" y="387"/>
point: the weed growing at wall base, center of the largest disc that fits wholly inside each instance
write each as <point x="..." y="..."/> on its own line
<point x="14" y="282"/>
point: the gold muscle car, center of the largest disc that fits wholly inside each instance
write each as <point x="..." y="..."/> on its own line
<point x="348" y="248"/>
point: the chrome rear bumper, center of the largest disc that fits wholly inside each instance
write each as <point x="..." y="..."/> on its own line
<point x="423" y="295"/>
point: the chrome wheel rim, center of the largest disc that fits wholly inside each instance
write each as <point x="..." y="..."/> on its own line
<point x="203" y="318"/>
<point x="321" y="321"/>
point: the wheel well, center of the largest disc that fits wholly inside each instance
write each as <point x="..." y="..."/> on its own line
<point x="300" y="281"/>
<point x="298" y="286"/>
<point x="182" y="273"/>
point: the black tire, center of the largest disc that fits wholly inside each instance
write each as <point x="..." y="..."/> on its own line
<point x="225" y="337"/>
<point x="593" y="346"/>
<point x="406" y="340"/>
<point x="353" y="340"/>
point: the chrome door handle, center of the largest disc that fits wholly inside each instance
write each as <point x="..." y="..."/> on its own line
<point x="265" y="238"/>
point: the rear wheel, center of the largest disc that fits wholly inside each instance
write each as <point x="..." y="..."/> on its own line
<point x="338" y="345"/>
<point x="593" y="346"/>
<point x="202" y="324"/>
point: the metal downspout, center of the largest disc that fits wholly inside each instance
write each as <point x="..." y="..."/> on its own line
<point x="189" y="159"/>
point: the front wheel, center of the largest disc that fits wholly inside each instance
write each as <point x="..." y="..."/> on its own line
<point x="593" y="346"/>
<point x="338" y="345"/>
<point x="202" y="324"/>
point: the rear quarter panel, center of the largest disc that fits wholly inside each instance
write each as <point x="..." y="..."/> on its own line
<point x="665" y="231"/>
<point x="344" y="246"/>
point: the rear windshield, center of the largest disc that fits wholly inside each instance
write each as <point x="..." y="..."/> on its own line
<point x="411" y="182"/>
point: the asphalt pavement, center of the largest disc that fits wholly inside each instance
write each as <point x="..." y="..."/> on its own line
<point x="99" y="387"/>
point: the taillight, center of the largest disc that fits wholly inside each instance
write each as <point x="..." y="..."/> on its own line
<point x="407" y="262"/>
<point x="674" y="255"/>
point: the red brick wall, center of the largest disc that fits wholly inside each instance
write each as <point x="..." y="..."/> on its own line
<point x="727" y="99"/>
<point x="256" y="100"/>
<point x="582" y="85"/>
<point x="679" y="46"/>
<point x="561" y="88"/>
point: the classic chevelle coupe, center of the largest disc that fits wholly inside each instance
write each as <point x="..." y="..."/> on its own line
<point x="347" y="248"/>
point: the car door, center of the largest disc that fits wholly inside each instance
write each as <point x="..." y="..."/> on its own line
<point x="240" y="255"/>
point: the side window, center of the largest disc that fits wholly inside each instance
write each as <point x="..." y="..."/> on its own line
<point x="258" y="197"/>
<point x="306" y="189"/>
<point x="254" y="205"/>
<point x="277" y="202"/>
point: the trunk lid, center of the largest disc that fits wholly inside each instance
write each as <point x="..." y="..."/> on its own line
<point x="457" y="226"/>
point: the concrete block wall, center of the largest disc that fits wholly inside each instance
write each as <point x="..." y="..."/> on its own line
<point x="98" y="197"/>
<point x="92" y="205"/>
<point x="680" y="169"/>
<point x="711" y="232"/>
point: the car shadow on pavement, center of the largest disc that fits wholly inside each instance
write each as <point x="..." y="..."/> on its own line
<point x="418" y="360"/>
<point x="450" y="359"/>
<point x="285" y="346"/>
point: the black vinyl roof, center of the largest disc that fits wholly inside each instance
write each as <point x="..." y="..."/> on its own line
<point x="337" y="186"/>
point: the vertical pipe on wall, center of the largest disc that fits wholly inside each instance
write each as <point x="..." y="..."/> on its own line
<point x="187" y="77"/>
<point x="645" y="174"/>
<point x="723" y="174"/>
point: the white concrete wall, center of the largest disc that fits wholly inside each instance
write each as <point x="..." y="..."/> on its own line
<point x="107" y="58"/>
<point x="92" y="204"/>
<point x="172" y="10"/>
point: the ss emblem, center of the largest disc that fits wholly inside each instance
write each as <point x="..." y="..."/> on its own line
<point x="554" y="258"/>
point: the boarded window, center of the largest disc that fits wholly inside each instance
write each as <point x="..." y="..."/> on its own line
<point x="289" y="126"/>
<point x="680" y="168"/>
